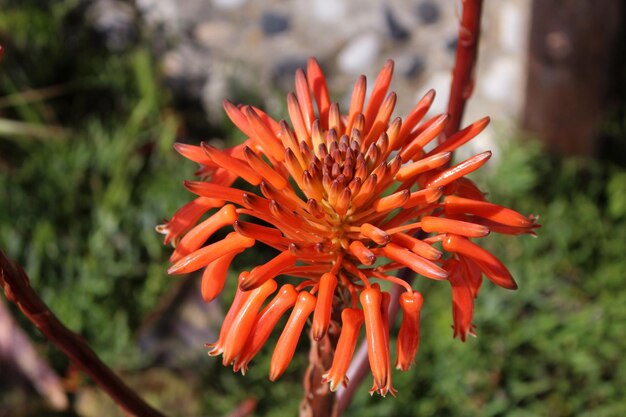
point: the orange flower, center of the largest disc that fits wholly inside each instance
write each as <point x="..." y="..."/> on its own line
<point x="341" y="197"/>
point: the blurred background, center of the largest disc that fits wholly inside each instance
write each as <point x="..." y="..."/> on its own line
<point x="93" y="93"/>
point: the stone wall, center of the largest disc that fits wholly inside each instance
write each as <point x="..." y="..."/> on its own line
<point x="216" y="48"/>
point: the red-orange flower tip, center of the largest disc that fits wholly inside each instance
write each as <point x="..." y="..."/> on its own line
<point x="351" y="321"/>
<point x="371" y="300"/>
<point x="286" y="345"/>
<point x="408" y="337"/>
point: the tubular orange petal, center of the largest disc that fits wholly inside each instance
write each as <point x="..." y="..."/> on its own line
<point x="304" y="98"/>
<point x="263" y="133"/>
<point x="204" y="256"/>
<point x="416" y="145"/>
<point x="417" y="114"/>
<point x="493" y="212"/>
<point x="423" y="197"/>
<point x="462" y="301"/>
<point x="238" y="166"/>
<point x="317" y="84"/>
<point x="384" y="311"/>
<point x="409" y="335"/>
<point x="286" y="345"/>
<point x="218" y="347"/>
<point x="416" y="246"/>
<point x="207" y="189"/>
<point x="378" y="94"/>
<point x="264" y="324"/>
<point x="351" y="321"/>
<point x="214" y="276"/>
<point x="459" y="170"/>
<point x="461" y="137"/>
<point x="372" y="232"/>
<point x="489" y="264"/>
<point x="467" y="189"/>
<point x="267" y="235"/>
<point x="261" y="274"/>
<point x="392" y="202"/>
<point x="362" y="253"/>
<point x="356" y="102"/>
<point x="382" y="118"/>
<point x="423" y="165"/>
<point x="199" y="234"/>
<point x="473" y="274"/>
<point x="193" y="153"/>
<point x="244" y="321"/>
<point x="371" y="301"/>
<point x="443" y="225"/>
<point x="415" y="262"/>
<point x="295" y="114"/>
<point x="238" y="118"/>
<point x="186" y="217"/>
<point x="323" y="308"/>
<point x="265" y="171"/>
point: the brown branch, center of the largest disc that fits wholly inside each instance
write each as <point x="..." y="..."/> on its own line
<point x="17" y="289"/>
<point x="319" y="400"/>
<point x="462" y="84"/>
<point x="460" y="91"/>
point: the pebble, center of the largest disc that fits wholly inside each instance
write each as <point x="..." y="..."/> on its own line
<point x="396" y="30"/>
<point x="411" y="66"/>
<point x="502" y="81"/>
<point x="273" y="23"/>
<point x="228" y="4"/>
<point x="428" y="12"/>
<point x="359" y="54"/>
<point x="283" y="72"/>
<point x="327" y="11"/>
<point x="215" y="33"/>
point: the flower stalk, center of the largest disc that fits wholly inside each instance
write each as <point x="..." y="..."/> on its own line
<point x="17" y="289"/>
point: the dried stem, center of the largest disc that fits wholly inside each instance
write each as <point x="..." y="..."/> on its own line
<point x="17" y="289"/>
<point x="319" y="400"/>
<point x="460" y="91"/>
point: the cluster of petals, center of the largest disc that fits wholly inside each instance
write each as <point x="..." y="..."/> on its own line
<point x="343" y="199"/>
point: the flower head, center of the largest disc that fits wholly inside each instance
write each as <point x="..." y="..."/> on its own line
<point x="339" y="197"/>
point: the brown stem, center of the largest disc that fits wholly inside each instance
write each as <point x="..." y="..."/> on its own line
<point x="463" y="73"/>
<point x="17" y="289"/>
<point x="319" y="400"/>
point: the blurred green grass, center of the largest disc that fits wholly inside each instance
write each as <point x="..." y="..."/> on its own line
<point x="88" y="172"/>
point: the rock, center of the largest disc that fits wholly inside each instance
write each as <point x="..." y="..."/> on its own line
<point x="451" y="44"/>
<point x="396" y="30"/>
<point x="512" y="29"/>
<point x="328" y="11"/>
<point x="411" y="66"/>
<point x="440" y="82"/>
<point x="115" y="21"/>
<point x="501" y="82"/>
<point x="359" y="54"/>
<point x="215" y="33"/>
<point x="228" y="4"/>
<point x="283" y="72"/>
<point x="428" y="12"/>
<point x="273" y="23"/>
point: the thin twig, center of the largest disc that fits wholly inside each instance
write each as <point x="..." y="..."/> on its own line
<point x="460" y="91"/>
<point x="17" y="289"/>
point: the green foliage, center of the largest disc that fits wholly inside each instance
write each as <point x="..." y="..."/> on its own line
<point x="78" y="210"/>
